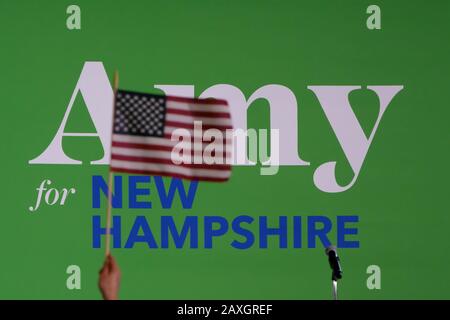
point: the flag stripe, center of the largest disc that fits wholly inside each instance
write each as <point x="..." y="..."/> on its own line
<point x="203" y="114"/>
<point x="192" y="107"/>
<point x="189" y="132"/>
<point x="197" y="101"/>
<point x="159" y="151"/>
<point x="175" y="175"/>
<point x="191" y="126"/>
<point x="204" y="121"/>
<point x="166" y="141"/>
<point x="189" y="135"/>
<point x="170" y="168"/>
<point x="166" y="161"/>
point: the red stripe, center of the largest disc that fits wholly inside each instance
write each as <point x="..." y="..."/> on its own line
<point x="177" y="124"/>
<point x="198" y="101"/>
<point x="155" y="147"/>
<point x="168" y="161"/>
<point x="175" y="175"/>
<point x="204" y="114"/>
<point x="169" y="136"/>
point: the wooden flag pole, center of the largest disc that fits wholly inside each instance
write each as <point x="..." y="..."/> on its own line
<point x="110" y="174"/>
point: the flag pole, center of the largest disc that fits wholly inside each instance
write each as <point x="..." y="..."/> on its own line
<point x="110" y="173"/>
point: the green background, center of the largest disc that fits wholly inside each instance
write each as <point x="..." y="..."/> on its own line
<point x="401" y="195"/>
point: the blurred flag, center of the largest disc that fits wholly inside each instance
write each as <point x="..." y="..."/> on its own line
<point x="142" y="136"/>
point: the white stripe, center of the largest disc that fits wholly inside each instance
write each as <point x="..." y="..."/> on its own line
<point x="167" y="168"/>
<point x="180" y="131"/>
<point x="197" y="107"/>
<point x="203" y="120"/>
<point x="162" y="141"/>
<point x="144" y="140"/>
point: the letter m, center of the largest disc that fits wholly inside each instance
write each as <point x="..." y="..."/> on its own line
<point x="283" y="114"/>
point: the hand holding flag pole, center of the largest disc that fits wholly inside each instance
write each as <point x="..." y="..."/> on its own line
<point x="110" y="173"/>
<point x="141" y="143"/>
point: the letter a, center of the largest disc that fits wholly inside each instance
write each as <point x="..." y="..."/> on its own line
<point x="97" y="93"/>
<point x="374" y="279"/>
<point x="374" y="20"/>
<point x="74" y="20"/>
<point x="74" y="280"/>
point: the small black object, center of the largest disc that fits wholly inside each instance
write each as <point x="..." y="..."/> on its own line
<point x="334" y="261"/>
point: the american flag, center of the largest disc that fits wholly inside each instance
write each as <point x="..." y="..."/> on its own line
<point x="142" y="136"/>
